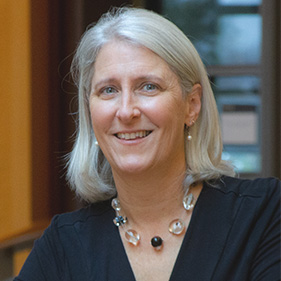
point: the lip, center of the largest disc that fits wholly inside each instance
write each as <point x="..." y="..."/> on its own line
<point x="133" y="135"/>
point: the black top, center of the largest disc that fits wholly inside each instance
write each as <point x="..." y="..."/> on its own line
<point x="234" y="234"/>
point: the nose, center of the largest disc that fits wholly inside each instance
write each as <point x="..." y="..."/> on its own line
<point x="128" y="108"/>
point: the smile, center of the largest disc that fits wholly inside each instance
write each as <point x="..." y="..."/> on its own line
<point x="132" y="136"/>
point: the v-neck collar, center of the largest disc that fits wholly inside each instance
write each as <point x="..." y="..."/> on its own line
<point x="202" y="245"/>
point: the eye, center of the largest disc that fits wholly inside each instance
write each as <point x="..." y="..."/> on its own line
<point x="108" y="90"/>
<point x="150" y="87"/>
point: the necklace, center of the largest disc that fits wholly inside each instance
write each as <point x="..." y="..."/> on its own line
<point x="176" y="226"/>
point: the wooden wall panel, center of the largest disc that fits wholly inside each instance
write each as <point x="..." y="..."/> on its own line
<point x="15" y="117"/>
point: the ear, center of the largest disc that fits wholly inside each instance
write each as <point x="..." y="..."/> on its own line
<point x="193" y="101"/>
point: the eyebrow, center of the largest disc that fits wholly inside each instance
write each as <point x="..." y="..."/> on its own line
<point x="108" y="81"/>
<point x="103" y="82"/>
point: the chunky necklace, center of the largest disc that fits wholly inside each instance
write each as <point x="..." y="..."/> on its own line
<point x="176" y="226"/>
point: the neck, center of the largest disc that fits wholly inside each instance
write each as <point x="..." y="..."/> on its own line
<point x="146" y="197"/>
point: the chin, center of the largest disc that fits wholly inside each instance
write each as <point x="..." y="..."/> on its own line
<point x="132" y="167"/>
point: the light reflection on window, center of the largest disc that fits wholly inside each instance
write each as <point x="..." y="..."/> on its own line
<point x="239" y="2"/>
<point x="244" y="162"/>
<point x="237" y="84"/>
<point x="239" y="39"/>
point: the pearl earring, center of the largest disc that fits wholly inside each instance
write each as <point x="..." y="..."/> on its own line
<point x="96" y="143"/>
<point x="189" y="137"/>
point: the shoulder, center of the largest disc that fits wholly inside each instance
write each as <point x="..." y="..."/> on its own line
<point x="61" y="253"/>
<point x="88" y="216"/>
<point x="260" y="187"/>
<point x="68" y="231"/>
<point x="244" y="215"/>
<point x="253" y="196"/>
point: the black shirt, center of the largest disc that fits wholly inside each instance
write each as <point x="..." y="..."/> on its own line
<point x="234" y="234"/>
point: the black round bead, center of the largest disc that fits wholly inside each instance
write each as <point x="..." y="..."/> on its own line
<point x="156" y="241"/>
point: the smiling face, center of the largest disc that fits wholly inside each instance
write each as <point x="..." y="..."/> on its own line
<point x="137" y="109"/>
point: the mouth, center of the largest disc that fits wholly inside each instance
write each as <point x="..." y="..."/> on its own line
<point x="133" y="136"/>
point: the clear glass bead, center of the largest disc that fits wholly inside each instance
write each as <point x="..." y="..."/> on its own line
<point x="176" y="227"/>
<point x="188" y="201"/>
<point x="116" y="204"/>
<point x="132" y="237"/>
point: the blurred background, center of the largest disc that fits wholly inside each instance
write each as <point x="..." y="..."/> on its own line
<point x="238" y="40"/>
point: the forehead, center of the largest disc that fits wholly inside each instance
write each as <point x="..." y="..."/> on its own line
<point x="122" y="56"/>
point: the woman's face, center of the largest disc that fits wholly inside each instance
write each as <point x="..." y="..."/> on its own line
<point x="137" y="109"/>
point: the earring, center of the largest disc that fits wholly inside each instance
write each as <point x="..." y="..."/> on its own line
<point x="189" y="137"/>
<point x="96" y="143"/>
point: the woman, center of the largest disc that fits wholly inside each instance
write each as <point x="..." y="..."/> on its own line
<point x="163" y="205"/>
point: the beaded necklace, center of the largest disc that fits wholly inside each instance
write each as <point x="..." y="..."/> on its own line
<point x="176" y="226"/>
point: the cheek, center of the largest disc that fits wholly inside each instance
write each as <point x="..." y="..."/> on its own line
<point x="100" y="117"/>
<point x="167" y="112"/>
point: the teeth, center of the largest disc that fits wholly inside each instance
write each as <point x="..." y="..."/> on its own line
<point x="132" y="136"/>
